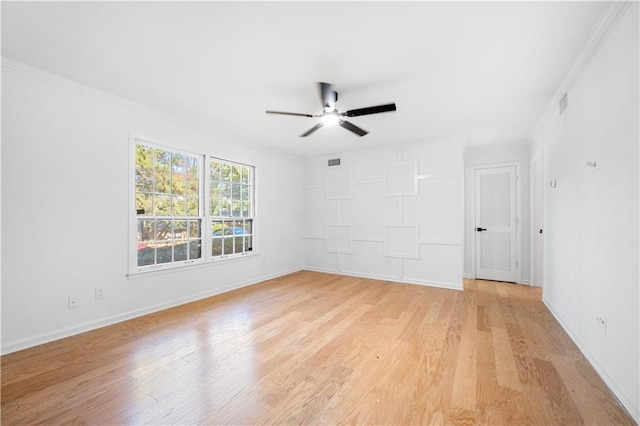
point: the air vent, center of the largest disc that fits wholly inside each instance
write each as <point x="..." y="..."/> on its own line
<point x="334" y="162"/>
<point x="564" y="102"/>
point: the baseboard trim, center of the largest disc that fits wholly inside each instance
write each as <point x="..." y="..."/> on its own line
<point x="627" y="404"/>
<point x="41" y="339"/>
<point x="395" y="279"/>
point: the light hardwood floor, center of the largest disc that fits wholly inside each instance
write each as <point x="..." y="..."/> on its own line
<point x="313" y="348"/>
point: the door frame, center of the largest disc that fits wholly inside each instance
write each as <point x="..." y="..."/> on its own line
<point x="537" y="219"/>
<point x="518" y="216"/>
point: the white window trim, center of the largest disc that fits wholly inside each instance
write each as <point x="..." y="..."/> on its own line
<point x="210" y="218"/>
<point x="206" y="259"/>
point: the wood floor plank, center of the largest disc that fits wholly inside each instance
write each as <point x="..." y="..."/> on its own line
<point x="506" y="370"/>
<point x="564" y="408"/>
<point x="315" y="348"/>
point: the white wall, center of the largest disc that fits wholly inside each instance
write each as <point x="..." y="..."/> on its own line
<point x="65" y="201"/>
<point x="591" y="217"/>
<point x="390" y="213"/>
<point x="518" y="153"/>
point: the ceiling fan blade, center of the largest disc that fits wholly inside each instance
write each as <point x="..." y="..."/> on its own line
<point x="328" y="96"/>
<point x="352" y="127"/>
<point x="370" y="110"/>
<point x="311" y="130"/>
<point x="290" y="113"/>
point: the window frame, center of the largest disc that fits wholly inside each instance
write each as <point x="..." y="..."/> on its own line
<point x="221" y="219"/>
<point x="205" y="217"/>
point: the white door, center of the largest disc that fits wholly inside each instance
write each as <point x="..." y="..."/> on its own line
<point x="495" y="224"/>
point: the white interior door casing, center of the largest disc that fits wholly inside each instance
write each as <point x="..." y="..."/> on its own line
<point x="537" y="210"/>
<point x="496" y="223"/>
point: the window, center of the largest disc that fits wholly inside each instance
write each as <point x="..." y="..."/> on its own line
<point x="168" y="194"/>
<point x="230" y="208"/>
<point x="174" y="199"/>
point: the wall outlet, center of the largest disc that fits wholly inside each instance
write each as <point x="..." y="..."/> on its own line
<point x="72" y="302"/>
<point x="602" y="322"/>
<point x="593" y="165"/>
<point x="99" y="293"/>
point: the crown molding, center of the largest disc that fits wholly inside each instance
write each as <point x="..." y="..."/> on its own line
<point x="23" y="70"/>
<point x="605" y="26"/>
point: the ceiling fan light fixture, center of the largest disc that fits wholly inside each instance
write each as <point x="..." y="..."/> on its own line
<point x="330" y="119"/>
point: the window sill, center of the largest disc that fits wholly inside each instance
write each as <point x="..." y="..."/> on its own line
<point x="162" y="270"/>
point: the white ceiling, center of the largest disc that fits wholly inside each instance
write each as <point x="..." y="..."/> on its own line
<point x="481" y="72"/>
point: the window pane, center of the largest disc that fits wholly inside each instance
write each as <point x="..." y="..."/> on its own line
<point x="194" y="229"/>
<point x="144" y="156"/>
<point x="162" y="159"/>
<point x="144" y="180"/>
<point x="144" y="204"/>
<point x="238" y="227"/>
<point x="235" y="191"/>
<point x="193" y="167"/>
<point x="236" y="209"/>
<point x="227" y="228"/>
<point x="248" y="243"/>
<point x="236" y="173"/>
<point x="225" y="207"/>
<point x="193" y="206"/>
<point x="228" y="245"/>
<point x="245" y="175"/>
<point x="146" y="255"/>
<point x="180" y="230"/>
<point x="163" y="182"/>
<point x="216" y="247"/>
<point x="179" y="205"/>
<point x="163" y="230"/>
<point x="178" y="184"/>
<point x="226" y="172"/>
<point x="215" y="171"/>
<point x="146" y="231"/>
<point x="193" y="185"/>
<point x="248" y="227"/>
<point x="214" y="199"/>
<point x="215" y="208"/>
<point x="245" y="209"/>
<point x="225" y="190"/>
<point x="195" y="249"/>
<point x="163" y="205"/>
<point x="164" y="254"/>
<point x="216" y="228"/>
<point x="180" y="251"/>
<point x="178" y="164"/>
<point x="238" y="244"/>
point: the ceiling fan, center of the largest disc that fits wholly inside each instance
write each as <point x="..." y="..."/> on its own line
<point x="331" y="116"/>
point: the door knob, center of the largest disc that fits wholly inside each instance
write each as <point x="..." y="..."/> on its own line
<point x="481" y="229"/>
